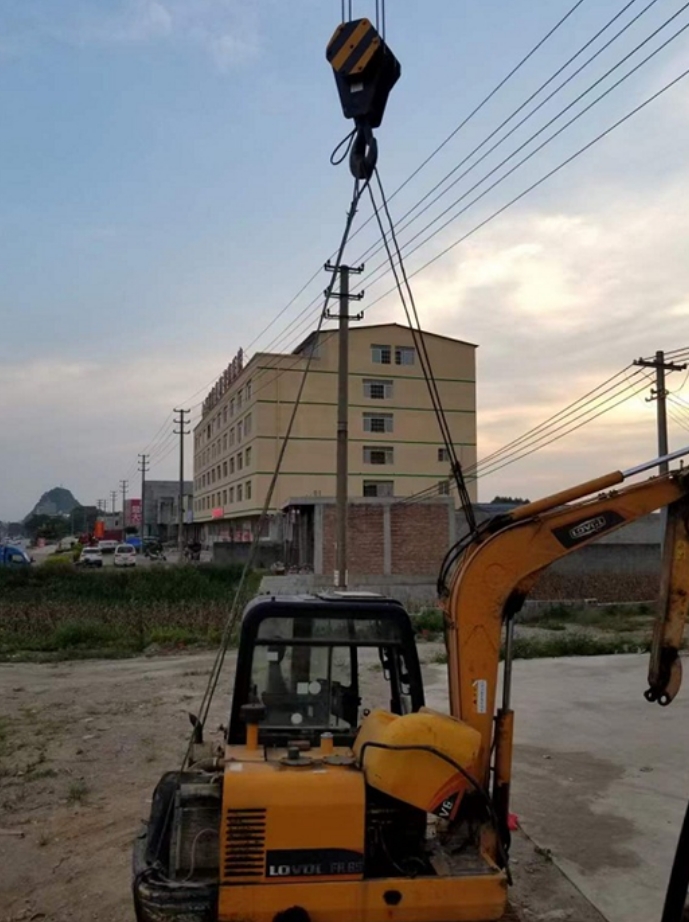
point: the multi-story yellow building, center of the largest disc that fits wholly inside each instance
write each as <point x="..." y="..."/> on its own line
<point x="395" y="447"/>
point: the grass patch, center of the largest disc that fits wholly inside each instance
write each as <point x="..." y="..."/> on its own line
<point x="68" y="614"/>
<point x="78" y="791"/>
<point x="615" y="618"/>
<point x="429" y="621"/>
<point x="569" y="644"/>
<point x="575" y="644"/>
<point x="175" y="637"/>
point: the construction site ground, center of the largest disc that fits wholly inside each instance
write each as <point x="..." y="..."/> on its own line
<point x="600" y="781"/>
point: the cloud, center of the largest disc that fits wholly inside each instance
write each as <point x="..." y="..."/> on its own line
<point x="558" y="299"/>
<point x="82" y="424"/>
<point x="227" y="30"/>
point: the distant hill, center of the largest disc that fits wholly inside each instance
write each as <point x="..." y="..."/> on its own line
<point x="57" y="501"/>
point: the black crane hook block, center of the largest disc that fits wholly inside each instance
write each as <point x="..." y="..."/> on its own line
<point x="365" y="70"/>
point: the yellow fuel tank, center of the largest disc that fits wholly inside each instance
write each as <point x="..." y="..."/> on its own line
<point x="395" y="753"/>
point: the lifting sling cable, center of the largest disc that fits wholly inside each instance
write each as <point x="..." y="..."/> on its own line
<point x="424" y="358"/>
<point x="236" y="606"/>
<point x="365" y="71"/>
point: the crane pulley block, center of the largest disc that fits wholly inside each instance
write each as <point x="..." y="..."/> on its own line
<point x="365" y="71"/>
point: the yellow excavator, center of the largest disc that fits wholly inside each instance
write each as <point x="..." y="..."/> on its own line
<point x="320" y="806"/>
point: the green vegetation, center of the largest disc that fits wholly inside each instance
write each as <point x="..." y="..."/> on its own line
<point x="77" y="792"/>
<point x="576" y="644"/>
<point x="632" y="617"/>
<point x="58" y="612"/>
<point x="429" y="622"/>
<point x="570" y="644"/>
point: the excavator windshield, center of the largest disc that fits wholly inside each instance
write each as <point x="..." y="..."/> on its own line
<point x="319" y="667"/>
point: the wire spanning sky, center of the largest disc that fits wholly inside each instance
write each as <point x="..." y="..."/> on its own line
<point x="166" y="191"/>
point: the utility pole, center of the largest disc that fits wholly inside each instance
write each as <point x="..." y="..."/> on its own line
<point x="181" y="432"/>
<point x="123" y="487"/>
<point x="113" y="499"/>
<point x="343" y="318"/>
<point x="143" y="467"/>
<point x="659" y="394"/>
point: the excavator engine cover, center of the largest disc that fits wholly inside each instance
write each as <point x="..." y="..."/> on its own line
<point x="422" y="759"/>
<point x="365" y="71"/>
<point x="285" y="823"/>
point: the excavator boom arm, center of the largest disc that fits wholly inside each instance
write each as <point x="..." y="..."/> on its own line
<point x="498" y="569"/>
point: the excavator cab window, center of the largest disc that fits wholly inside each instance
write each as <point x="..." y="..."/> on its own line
<point x="316" y="666"/>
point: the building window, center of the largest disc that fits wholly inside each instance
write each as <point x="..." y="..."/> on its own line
<point x="377" y="422"/>
<point x="231" y="437"/>
<point x="213" y="476"/>
<point x="378" y="488"/>
<point x="443" y="455"/>
<point x="239" y="432"/>
<point x="378" y="454"/>
<point x="231" y="494"/>
<point x="232" y="407"/>
<point x="224" y="415"/>
<point x="239" y="400"/>
<point x="224" y="468"/>
<point x="247" y="457"/>
<point x="443" y="488"/>
<point x="240" y="461"/>
<point x="224" y="497"/>
<point x="405" y="355"/>
<point x="247" y="424"/>
<point x="247" y="488"/>
<point x="248" y="390"/>
<point x="376" y="389"/>
<point x="239" y="493"/>
<point x="381" y="355"/>
<point x="218" y="470"/>
<point x="224" y="442"/>
<point x="232" y="465"/>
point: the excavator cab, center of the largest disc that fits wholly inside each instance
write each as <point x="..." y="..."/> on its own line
<point x="315" y="663"/>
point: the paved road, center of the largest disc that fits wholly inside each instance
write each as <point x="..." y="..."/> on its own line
<point x="601" y="777"/>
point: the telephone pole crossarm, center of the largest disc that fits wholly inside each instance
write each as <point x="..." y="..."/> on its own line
<point x="659" y="393"/>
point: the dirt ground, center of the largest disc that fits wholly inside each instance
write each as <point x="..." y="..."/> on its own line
<point x="81" y="747"/>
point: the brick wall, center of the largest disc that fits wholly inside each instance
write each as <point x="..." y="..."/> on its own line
<point x="365" y="539"/>
<point x="419" y="536"/>
<point x="419" y="539"/>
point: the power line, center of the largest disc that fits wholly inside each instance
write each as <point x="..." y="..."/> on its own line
<point x="540" y="436"/>
<point x="524" y="160"/>
<point x="373" y="249"/>
<point x="535" y="185"/>
<point x="434" y="153"/>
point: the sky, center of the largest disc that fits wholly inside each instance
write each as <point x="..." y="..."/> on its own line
<point x="166" y="191"/>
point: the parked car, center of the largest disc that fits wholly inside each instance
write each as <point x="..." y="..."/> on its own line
<point x="12" y="556"/>
<point x="107" y="546"/>
<point x="91" y="557"/>
<point x="125" y="555"/>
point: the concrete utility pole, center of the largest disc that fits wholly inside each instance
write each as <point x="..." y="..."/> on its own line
<point x="123" y="487"/>
<point x="343" y="318"/>
<point x="113" y="499"/>
<point x="181" y="432"/>
<point x="143" y="467"/>
<point x="659" y="394"/>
